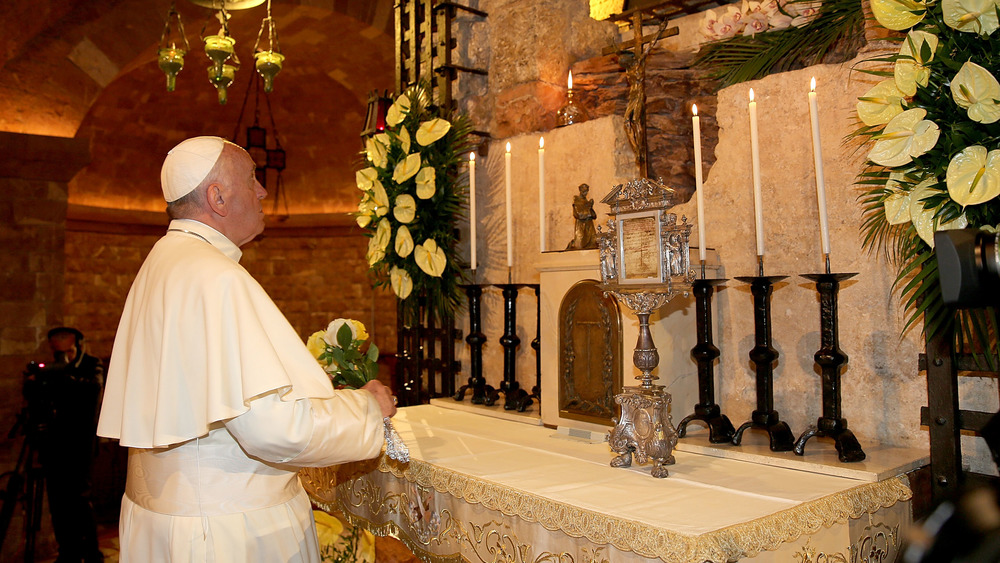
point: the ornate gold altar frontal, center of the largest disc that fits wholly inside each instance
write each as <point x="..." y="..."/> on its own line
<point x="483" y="489"/>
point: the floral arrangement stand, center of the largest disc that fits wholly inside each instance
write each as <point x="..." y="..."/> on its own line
<point x="705" y="353"/>
<point x="830" y="358"/>
<point x="763" y="356"/>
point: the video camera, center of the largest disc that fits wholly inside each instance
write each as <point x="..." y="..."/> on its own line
<point x="968" y="267"/>
<point x="41" y="387"/>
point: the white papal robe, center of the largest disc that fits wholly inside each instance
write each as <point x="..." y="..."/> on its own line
<point x="220" y="403"/>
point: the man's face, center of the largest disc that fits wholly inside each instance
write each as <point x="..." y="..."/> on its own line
<point x="246" y="212"/>
<point x="65" y="345"/>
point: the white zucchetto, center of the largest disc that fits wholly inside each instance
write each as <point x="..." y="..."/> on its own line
<point x="188" y="164"/>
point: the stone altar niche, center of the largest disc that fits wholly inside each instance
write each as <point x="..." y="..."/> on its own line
<point x="590" y="353"/>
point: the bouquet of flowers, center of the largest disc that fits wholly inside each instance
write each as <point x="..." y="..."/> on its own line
<point x="751" y="18"/>
<point x="338" y="350"/>
<point x="340" y="543"/>
<point x="411" y="197"/>
<point x="934" y="158"/>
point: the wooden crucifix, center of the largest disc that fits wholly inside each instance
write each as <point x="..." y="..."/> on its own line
<point x="632" y="56"/>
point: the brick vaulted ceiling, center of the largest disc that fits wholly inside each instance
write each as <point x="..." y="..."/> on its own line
<point x="87" y="68"/>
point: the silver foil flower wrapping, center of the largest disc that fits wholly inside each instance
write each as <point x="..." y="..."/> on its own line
<point x="394" y="446"/>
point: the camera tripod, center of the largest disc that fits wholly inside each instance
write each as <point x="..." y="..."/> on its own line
<point x="26" y="482"/>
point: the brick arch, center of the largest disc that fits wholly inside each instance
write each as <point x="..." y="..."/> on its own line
<point x="58" y="55"/>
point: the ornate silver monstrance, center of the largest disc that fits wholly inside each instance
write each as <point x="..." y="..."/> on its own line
<point x="645" y="261"/>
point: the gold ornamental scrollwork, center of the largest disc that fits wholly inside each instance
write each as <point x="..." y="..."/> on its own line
<point x="731" y="543"/>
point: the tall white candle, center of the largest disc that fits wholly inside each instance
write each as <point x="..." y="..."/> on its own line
<point x="824" y="226"/>
<point x="472" y="210"/>
<point x="510" y="239"/>
<point x="758" y="212"/>
<point x="541" y="194"/>
<point x="696" y="123"/>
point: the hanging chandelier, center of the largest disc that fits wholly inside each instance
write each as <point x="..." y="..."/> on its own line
<point x="220" y="48"/>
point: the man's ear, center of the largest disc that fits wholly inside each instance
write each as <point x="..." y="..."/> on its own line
<point x="216" y="200"/>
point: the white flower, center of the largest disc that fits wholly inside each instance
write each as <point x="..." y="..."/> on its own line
<point x="404" y="242"/>
<point x="881" y="103"/>
<point x="974" y="176"/>
<point x="401" y="282"/>
<point x="908" y="135"/>
<point x="976" y="90"/>
<point x="971" y="16"/>
<point x="376" y="150"/>
<point x="923" y="219"/>
<point x="405" y="209"/>
<point x="365" y="177"/>
<point x="910" y="69"/>
<point x="425" y="182"/>
<point x="430" y="258"/>
<point x="406" y="168"/>
<point x="432" y="130"/>
<point x="398" y="110"/>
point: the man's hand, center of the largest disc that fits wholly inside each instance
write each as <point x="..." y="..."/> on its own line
<point x="384" y="397"/>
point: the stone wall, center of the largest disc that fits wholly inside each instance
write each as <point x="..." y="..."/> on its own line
<point x="312" y="280"/>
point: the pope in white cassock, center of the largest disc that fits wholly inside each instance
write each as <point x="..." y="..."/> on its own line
<point x="213" y="391"/>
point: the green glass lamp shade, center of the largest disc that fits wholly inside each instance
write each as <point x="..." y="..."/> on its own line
<point x="222" y="80"/>
<point x="171" y="62"/>
<point x="219" y="48"/>
<point x="269" y="64"/>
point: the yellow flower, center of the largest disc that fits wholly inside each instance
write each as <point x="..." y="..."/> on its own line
<point x="404" y="139"/>
<point x="405" y="209"/>
<point x="898" y="14"/>
<point x="880" y="104"/>
<point x="383" y="232"/>
<point x="380" y="198"/>
<point x="432" y="130"/>
<point x="974" y="176"/>
<point x="430" y="258"/>
<point x="976" y="90"/>
<point x="910" y="69"/>
<point x="404" y="242"/>
<point x="897" y="205"/>
<point x="908" y="135"/>
<point x="406" y="168"/>
<point x="374" y="254"/>
<point x="377" y="151"/>
<point x="365" y="177"/>
<point x="363" y="220"/>
<point x="398" y="110"/>
<point x="425" y="182"/>
<point x="923" y="219"/>
<point x="358" y="329"/>
<point x="328" y="528"/>
<point x="970" y="16"/>
<point x="401" y="282"/>
<point x="316" y="345"/>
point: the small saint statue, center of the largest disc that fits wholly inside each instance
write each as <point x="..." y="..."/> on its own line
<point x="584" y="235"/>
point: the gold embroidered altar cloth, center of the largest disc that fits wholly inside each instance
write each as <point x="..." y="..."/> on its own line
<point x="483" y="489"/>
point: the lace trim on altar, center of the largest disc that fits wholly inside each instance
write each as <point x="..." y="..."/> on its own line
<point x="728" y="544"/>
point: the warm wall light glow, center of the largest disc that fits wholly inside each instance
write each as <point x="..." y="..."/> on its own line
<point x="694" y="109"/>
<point x="751" y="94"/>
<point x="569" y="82"/>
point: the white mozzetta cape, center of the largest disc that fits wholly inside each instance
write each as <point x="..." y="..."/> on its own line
<point x="198" y="340"/>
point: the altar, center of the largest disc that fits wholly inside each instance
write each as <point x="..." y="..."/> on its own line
<point x="479" y="488"/>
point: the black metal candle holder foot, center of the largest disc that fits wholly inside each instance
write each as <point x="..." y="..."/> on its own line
<point x="720" y="429"/>
<point x="763" y="356"/>
<point x="830" y="359"/>
<point x="513" y="394"/>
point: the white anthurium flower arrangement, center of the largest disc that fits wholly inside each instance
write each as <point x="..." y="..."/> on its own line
<point x="933" y="134"/>
<point x="414" y="189"/>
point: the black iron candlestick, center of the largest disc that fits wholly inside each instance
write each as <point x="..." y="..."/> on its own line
<point x="476" y="339"/>
<point x="536" y="345"/>
<point x="830" y="358"/>
<point x="511" y="389"/>
<point x="720" y="430"/>
<point x="763" y="356"/>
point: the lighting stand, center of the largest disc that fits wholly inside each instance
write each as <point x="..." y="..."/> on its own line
<point x="830" y="358"/>
<point x="763" y="356"/>
<point x="720" y="430"/>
